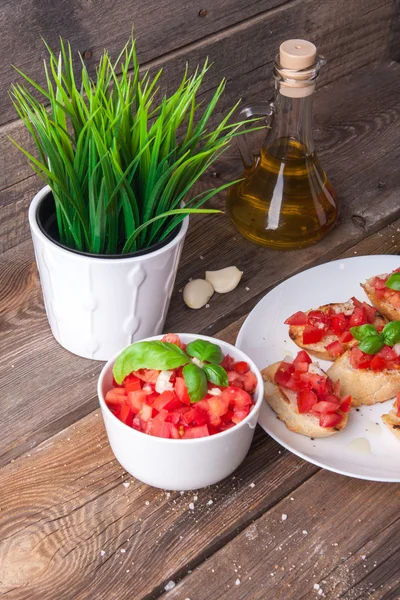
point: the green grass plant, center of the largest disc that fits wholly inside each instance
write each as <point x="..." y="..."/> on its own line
<point x="120" y="158"/>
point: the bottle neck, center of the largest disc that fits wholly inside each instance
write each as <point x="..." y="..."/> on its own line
<point x="291" y="124"/>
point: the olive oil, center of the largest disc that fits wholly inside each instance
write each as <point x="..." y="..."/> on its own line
<point x="285" y="200"/>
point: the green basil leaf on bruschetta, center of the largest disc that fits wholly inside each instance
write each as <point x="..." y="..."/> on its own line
<point x="393" y="282"/>
<point x="363" y="331"/>
<point x="371" y="344"/>
<point x="391" y="333"/>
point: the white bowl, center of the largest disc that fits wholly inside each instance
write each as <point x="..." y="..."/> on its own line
<point x="180" y="464"/>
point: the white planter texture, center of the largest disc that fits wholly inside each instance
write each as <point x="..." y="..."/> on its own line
<point x="97" y="306"/>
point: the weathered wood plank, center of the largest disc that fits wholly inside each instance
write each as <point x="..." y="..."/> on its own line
<point x="161" y="27"/>
<point x="350" y="35"/>
<point x="334" y="538"/>
<point x="24" y="329"/>
<point x="72" y="520"/>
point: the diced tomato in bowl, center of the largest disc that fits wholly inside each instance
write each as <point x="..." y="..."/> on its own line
<point x="166" y="435"/>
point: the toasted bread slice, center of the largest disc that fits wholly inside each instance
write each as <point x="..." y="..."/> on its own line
<point x="318" y="350"/>
<point x="365" y="386"/>
<point x="385" y="308"/>
<point x="393" y="422"/>
<point x="279" y="401"/>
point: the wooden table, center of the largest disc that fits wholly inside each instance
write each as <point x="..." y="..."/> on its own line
<point x="74" y="525"/>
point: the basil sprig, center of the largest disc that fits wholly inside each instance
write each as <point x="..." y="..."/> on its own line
<point x="393" y="282"/>
<point x="371" y="341"/>
<point x="205" y="351"/>
<point x="165" y="356"/>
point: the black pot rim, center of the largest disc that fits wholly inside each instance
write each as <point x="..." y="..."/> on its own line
<point x="137" y="253"/>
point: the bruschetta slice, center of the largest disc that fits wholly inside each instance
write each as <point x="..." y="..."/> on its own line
<point x="368" y="378"/>
<point x="304" y="397"/>
<point x="382" y="292"/>
<point x="325" y="331"/>
<point x="392" y="419"/>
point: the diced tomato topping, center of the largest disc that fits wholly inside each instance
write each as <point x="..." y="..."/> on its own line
<point x="132" y="383"/>
<point x="355" y="301"/>
<point x="196" y="432"/>
<point x="306" y="399"/>
<point x="146" y="413"/>
<point x="241" y="367"/>
<point x="312" y="334"/>
<point x="115" y="397"/>
<point x="359" y="317"/>
<point x="345" y="404"/>
<point x="235" y="379"/>
<point x="335" y="348"/>
<point x="218" y="405"/>
<point x="239" y="416"/>
<point x="325" y="407"/>
<point x="250" y="382"/>
<point x="387" y="353"/>
<point x="299" y="318"/>
<point x="172" y="338"/>
<point x="377" y="363"/>
<point x="227" y="362"/>
<point x="358" y="359"/>
<point x="181" y="390"/>
<point x="318" y="316"/>
<point x="345" y="337"/>
<point x="126" y="415"/>
<point x="378" y="283"/>
<point x="302" y="357"/>
<point x="136" y="400"/>
<point x="339" y="324"/>
<point x="148" y="375"/>
<point x="283" y="373"/>
<point x="330" y="420"/>
<point x="370" y="311"/>
<point x="167" y="400"/>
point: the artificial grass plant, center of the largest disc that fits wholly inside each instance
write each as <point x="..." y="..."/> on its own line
<point x="119" y="157"/>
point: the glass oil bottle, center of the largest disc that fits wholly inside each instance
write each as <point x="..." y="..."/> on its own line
<point x="285" y="199"/>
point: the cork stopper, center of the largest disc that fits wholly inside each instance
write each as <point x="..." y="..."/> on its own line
<point x="296" y="56"/>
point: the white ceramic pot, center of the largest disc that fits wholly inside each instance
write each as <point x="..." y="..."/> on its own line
<point x="97" y="306"/>
<point x="180" y="464"/>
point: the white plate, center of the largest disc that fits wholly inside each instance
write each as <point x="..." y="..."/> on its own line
<point x="365" y="449"/>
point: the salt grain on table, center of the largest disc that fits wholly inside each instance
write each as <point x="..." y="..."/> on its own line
<point x="191" y="506"/>
<point x="237" y="582"/>
<point x="122" y="550"/>
<point x="284" y="517"/>
<point x="126" y="484"/>
<point x="252" y="485"/>
<point x="210" y="502"/>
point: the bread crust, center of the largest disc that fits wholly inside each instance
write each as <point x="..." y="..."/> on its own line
<point x="385" y="308"/>
<point x="392" y="421"/>
<point x="318" y="350"/>
<point x="288" y="413"/>
<point x="365" y="386"/>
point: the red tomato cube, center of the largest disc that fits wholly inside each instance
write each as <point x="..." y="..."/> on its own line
<point x="335" y="348"/>
<point x="312" y="334"/>
<point x="325" y="407"/>
<point x="249" y="382"/>
<point x="378" y="363"/>
<point x="358" y="359"/>
<point x="299" y="318"/>
<point x="136" y="400"/>
<point x="283" y="373"/>
<point x="132" y="383"/>
<point x="115" y="397"/>
<point x="329" y="420"/>
<point x="306" y="400"/>
<point x="345" y="404"/>
<point x="339" y="324"/>
<point x="358" y="317"/>
<point x="181" y="390"/>
<point x="126" y="415"/>
<point x="241" y="366"/>
<point x="196" y="432"/>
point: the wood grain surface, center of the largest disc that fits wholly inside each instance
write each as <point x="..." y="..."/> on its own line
<point x="350" y="35"/>
<point x="71" y="518"/>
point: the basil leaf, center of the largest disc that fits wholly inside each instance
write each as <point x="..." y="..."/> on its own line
<point x="363" y="331"/>
<point x="371" y="344"/>
<point x="196" y="382"/>
<point x="205" y="351"/>
<point x="391" y="332"/>
<point x="148" y="355"/>
<point x="216" y="374"/>
<point x="394" y="282"/>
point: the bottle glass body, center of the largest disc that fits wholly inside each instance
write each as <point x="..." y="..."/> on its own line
<point x="285" y="199"/>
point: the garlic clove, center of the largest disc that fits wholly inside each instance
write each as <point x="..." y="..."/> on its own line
<point x="224" y="280"/>
<point x="197" y="293"/>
